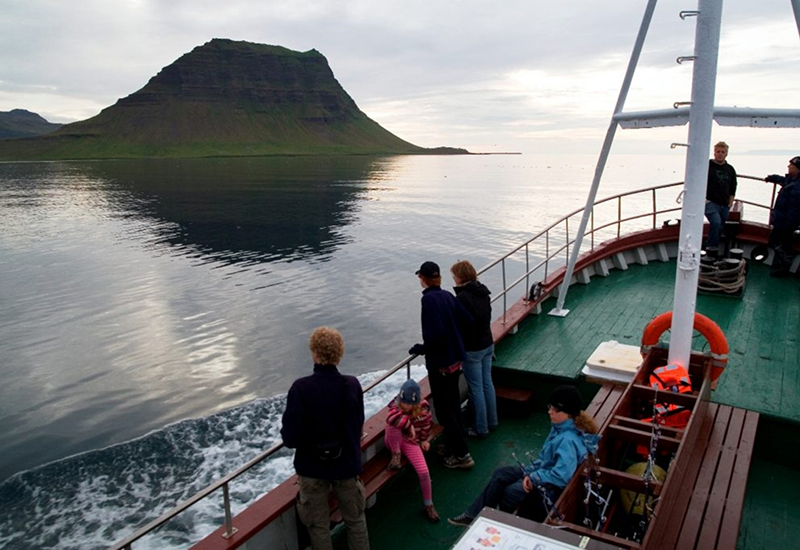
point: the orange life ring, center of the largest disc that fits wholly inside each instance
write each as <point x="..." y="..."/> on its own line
<point x="703" y="325"/>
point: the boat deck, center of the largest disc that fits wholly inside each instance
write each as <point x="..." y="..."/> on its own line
<point x="762" y="328"/>
<point x="762" y="375"/>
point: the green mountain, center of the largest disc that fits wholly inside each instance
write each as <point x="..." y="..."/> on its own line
<point x="20" y="123"/>
<point x="225" y="98"/>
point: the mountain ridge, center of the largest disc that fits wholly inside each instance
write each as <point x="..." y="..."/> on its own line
<point x="20" y="123"/>
<point x="226" y="98"/>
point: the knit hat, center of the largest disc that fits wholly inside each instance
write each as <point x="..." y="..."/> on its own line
<point x="795" y="162"/>
<point x="410" y="393"/>
<point x="566" y="399"/>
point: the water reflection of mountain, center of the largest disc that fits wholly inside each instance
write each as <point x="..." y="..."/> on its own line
<point x="236" y="210"/>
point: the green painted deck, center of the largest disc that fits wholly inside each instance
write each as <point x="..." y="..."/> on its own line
<point x="396" y="521"/>
<point x="763" y="374"/>
<point x="762" y="328"/>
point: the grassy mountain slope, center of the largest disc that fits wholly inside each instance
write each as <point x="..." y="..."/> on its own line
<point x="225" y="98"/>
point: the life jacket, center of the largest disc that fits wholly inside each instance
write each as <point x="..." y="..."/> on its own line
<point x="675" y="379"/>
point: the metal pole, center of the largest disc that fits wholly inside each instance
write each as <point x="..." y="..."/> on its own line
<point x="704" y="79"/>
<point x="230" y="530"/>
<point x="796" y="9"/>
<point x="601" y="162"/>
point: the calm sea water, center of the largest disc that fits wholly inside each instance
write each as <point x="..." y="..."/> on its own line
<point x="154" y="313"/>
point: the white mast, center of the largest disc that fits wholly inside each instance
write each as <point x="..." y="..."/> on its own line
<point x="701" y="115"/>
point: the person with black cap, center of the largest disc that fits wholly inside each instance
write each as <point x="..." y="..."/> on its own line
<point x="785" y="218"/>
<point x="536" y="487"/>
<point x="443" y="347"/>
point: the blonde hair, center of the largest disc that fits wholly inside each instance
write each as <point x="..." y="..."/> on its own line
<point x="721" y="145"/>
<point x="464" y="271"/>
<point x="327" y="345"/>
<point x="585" y="423"/>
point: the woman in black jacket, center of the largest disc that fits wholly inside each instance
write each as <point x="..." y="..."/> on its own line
<point x="479" y="346"/>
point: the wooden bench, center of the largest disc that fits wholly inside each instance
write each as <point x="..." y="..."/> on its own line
<point x="706" y="509"/>
<point x="375" y="474"/>
<point x="605" y="403"/>
<point x="517" y="395"/>
<point x="702" y="501"/>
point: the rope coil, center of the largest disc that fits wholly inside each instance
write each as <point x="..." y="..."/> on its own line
<point x="722" y="277"/>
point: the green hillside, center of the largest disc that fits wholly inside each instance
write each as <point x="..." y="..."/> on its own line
<point x="225" y="98"/>
<point x="20" y="123"/>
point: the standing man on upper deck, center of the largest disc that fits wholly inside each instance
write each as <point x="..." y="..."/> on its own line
<point x="720" y="192"/>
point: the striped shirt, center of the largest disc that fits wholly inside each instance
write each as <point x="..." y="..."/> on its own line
<point x="404" y="421"/>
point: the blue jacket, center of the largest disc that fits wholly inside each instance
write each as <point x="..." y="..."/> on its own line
<point x="786" y="212"/>
<point x="324" y="409"/>
<point x="564" y="449"/>
<point x="443" y="320"/>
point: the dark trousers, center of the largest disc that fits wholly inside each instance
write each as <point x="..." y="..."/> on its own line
<point x="535" y="507"/>
<point x="504" y="490"/>
<point x="782" y="242"/>
<point x="447" y="403"/>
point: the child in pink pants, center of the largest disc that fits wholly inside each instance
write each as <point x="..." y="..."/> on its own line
<point x="408" y="428"/>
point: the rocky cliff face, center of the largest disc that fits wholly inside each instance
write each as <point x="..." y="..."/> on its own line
<point x="227" y="97"/>
<point x="20" y="123"/>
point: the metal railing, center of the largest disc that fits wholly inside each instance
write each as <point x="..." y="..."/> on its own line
<point x="550" y="242"/>
<point x="550" y="254"/>
<point x="224" y="483"/>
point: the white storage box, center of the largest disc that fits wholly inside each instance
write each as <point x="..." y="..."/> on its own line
<point x="613" y="362"/>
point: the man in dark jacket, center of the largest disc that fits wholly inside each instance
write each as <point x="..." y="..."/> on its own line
<point x="785" y="218"/>
<point x="443" y="346"/>
<point x="323" y="420"/>
<point x="720" y="192"/>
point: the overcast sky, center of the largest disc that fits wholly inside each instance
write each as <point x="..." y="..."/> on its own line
<point x="516" y="75"/>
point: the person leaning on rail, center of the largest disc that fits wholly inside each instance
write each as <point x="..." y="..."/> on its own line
<point x="785" y="218"/>
<point x="323" y="420"/>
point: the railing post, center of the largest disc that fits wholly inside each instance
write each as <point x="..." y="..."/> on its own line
<point x="527" y="273"/>
<point x="230" y="530"/>
<point x="505" y="291"/>
<point x="591" y="230"/>
<point x="546" y="253"/>
<point x="566" y="234"/>
<point x="655" y="208"/>
<point x="619" y="216"/>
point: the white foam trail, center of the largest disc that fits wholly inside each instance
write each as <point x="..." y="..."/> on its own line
<point x="98" y="498"/>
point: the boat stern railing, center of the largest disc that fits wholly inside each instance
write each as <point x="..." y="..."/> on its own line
<point x="613" y="217"/>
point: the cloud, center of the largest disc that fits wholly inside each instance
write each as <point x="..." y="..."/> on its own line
<point x="434" y="73"/>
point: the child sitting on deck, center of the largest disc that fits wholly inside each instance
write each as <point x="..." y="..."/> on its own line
<point x="535" y="488"/>
<point x="408" y="428"/>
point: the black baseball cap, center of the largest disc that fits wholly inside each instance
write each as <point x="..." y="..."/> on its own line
<point x="429" y="270"/>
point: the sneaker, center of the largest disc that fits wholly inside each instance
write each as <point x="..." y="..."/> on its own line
<point x="472" y="433"/>
<point x="440" y="449"/>
<point x="462" y="521"/>
<point x="465" y="462"/>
